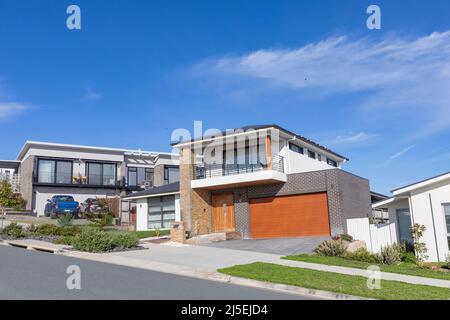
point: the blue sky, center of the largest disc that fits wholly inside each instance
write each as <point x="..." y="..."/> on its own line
<point x="140" y="69"/>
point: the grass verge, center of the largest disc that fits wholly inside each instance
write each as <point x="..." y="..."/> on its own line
<point x="335" y="282"/>
<point x="141" y="234"/>
<point x="403" y="268"/>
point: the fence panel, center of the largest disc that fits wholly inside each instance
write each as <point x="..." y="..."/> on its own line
<point x="375" y="236"/>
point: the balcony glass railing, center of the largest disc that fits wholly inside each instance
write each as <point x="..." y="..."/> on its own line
<point x="66" y="178"/>
<point x="204" y="170"/>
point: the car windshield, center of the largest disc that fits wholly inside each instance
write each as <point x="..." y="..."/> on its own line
<point x="63" y="199"/>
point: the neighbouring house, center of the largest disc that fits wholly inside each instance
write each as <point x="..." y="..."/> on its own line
<point x="47" y="169"/>
<point x="9" y="171"/>
<point x="427" y="203"/>
<point x="156" y="208"/>
<point x="265" y="182"/>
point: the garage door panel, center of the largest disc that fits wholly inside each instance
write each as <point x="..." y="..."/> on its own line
<point x="289" y="216"/>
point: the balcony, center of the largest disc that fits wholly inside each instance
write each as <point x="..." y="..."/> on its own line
<point x="67" y="180"/>
<point x="219" y="176"/>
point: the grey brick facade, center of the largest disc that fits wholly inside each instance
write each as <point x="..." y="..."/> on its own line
<point x="348" y="196"/>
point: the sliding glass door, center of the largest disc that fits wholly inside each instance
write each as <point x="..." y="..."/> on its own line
<point x="404" y="225"/>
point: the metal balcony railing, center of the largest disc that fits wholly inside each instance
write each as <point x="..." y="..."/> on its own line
<point x="204" y="170"/>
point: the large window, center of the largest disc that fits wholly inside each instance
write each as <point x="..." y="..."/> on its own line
<point x="332" y="162"/>
<point x="447" y="220"/>
<point x="55" y="171"/>
<point x="171" y="174"/>
<point x="161" y="212"/>
<point x="404" y="225"/>
<point x="136" y="176"/>
<point x="296" y="148"/>
<point x="101" y="173"/>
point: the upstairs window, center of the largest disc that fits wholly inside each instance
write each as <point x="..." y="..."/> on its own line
<point x="171" y="174"/>
<point x="311" y="154"/>
<point x="54" y="171"/>
<point x="296" y="148"/>
<point x="332" y="163"/>
<point x="101" y="173"/>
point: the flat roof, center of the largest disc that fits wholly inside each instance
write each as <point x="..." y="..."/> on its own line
<point x="421" y="183"/>
<point x="28" y="144"/>
<point x="167" y="189"/>
<point x="9" y="164"/>
<point x="266" y="126"/>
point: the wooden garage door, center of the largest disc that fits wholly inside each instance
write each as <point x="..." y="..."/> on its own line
<point x="289" y="216"/>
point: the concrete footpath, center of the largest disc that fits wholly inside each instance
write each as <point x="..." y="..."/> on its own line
<point x="203" y="262"/>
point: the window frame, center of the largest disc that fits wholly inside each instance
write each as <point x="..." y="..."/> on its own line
<point x="312" y="154"/>
<point x="55" y="170"/>
<point x="166" y="175"/>
<point x="101" y="163"/>
<point x="293" y="146"/>
<point x="161" y="212"/>
<point x="333" y="162"/>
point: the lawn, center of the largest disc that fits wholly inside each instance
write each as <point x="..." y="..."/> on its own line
<point x="335" y="282"/>
<point x="141" y="234"/>
<point x="403" y="268"/>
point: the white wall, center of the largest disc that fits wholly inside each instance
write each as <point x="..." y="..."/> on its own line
<point x="375" y="236"/>
<point x="142" y="213"/>
<point x="423" y="211"/>
<point x="302" y="163"/>
<point x="74" y="154"/>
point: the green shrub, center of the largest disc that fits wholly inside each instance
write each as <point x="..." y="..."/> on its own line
<point x="46" y="230"/>
<point x="447" y="261"/>
<point x="331" y="248"/>
<point x="13" y="230"/>
<point x="69" y="231"/>
<point x="93" y="240"/>
<point x="124" y="241"/>
<point x="391" y="254"/>
<point x="365" y="256"/>
<point x="408" y="257"/>
<point x="65" y="220"/>
<point x="68" y="240"/>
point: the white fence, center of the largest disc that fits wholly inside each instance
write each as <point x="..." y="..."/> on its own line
<point x="375" y="236"/>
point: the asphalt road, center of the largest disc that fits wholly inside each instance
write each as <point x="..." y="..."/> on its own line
<point x="27" y="274"/>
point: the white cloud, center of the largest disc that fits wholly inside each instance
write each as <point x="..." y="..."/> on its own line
<point x="9" y="109"/>
<point x="355" y="138"/>
<point x="401" y="152"/>
<point x="91" y="94"/>
<point x="399" y="76"/>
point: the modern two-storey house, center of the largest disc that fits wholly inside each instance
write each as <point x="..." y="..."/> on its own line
<point x="48" y="169"/>
<point x="267" y="182"/>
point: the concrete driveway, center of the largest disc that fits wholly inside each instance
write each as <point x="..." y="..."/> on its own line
<point x="283" y="246"/>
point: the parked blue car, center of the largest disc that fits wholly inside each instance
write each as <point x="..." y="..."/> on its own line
<point x="61" y="204"/>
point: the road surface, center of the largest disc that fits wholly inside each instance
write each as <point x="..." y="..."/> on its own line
<point x="27" y="274"/>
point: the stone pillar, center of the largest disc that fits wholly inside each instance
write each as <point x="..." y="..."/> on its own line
<point x="178" y="232"/>
<point x="195" y="206"/>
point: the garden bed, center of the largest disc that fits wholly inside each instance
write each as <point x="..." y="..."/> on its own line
<point x="89" y="238"/>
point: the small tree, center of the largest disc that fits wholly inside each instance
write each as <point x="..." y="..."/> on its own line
<point x="7" y="197"/>
<point x="417" y="231"/>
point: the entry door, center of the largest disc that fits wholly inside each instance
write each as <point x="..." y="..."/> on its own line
<point x="404" y="225"/>
<point x="223" y="212"/>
